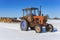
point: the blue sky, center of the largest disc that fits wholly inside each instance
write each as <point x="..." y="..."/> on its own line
<point x="13" y="8"/>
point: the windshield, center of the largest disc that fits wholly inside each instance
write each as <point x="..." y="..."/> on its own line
<point x="29" y="12"/>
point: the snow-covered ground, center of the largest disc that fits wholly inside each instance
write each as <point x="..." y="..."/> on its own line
<point x="11" y="31"/>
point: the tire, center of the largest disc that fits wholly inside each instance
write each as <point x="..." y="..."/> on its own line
<point x="49" y="28"/>
<point x="24" y="25"/>
<point x="38" y="29"/>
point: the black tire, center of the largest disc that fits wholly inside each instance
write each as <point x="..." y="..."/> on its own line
<point x="38" y="29"/>
<point x="24" y="25"/>
<point x="49" y="28"/>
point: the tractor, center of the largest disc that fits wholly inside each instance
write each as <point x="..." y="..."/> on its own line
<point x="35" y="20"/>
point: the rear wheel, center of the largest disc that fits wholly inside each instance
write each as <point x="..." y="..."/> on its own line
<point x="49" y="28"/>
<point x="38" y="29"/>
<point x="24" y="25"/>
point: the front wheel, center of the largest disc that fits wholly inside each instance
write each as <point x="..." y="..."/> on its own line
<point x="38" y="29"/>
<point x="49" y="28"/>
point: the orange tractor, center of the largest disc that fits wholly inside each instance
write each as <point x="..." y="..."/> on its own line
<point x="33" y="18"/>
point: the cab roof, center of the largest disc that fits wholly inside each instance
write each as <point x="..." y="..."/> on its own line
<point x="31" y="8"/>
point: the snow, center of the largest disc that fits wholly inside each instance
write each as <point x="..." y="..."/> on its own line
<point x="11" y="31"/>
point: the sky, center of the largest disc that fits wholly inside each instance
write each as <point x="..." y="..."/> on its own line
<point x="13" y="8"/>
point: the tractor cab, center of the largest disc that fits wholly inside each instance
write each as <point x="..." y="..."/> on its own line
<point x="29" y="14"/>
<point x="30" y="11"/>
